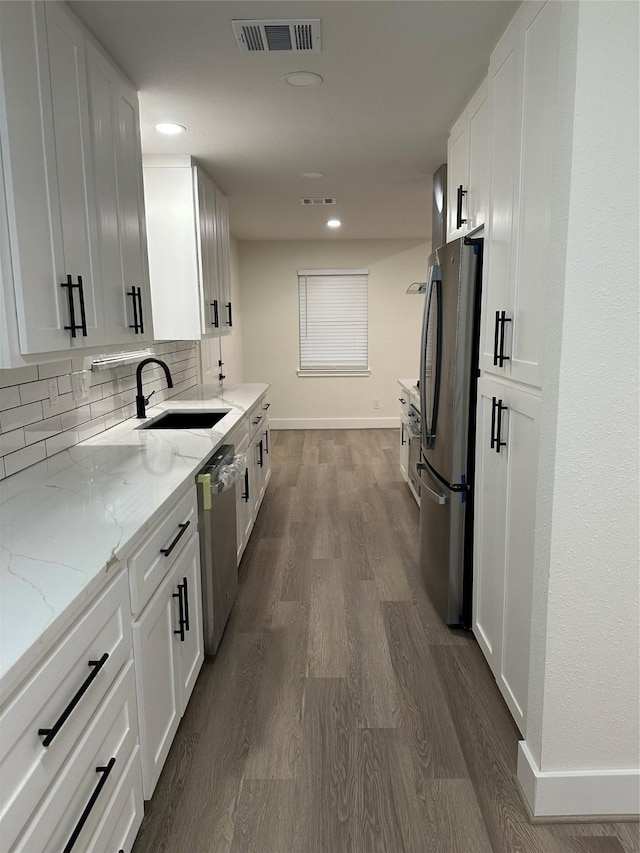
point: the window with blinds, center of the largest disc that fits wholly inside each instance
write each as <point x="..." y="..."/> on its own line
<point x="334" y="334"/>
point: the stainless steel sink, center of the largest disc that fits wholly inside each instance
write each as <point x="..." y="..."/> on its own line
<point x="186" y="420"/>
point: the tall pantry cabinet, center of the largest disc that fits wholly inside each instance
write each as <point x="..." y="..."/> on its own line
<point x="522" y="75"/>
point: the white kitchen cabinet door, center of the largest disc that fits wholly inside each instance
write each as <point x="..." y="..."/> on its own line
<point x="479" y="158"/>
<point x="223" y="252"/>
<point x="46" y="157"/>
<point x="211" y="303"/>
<point x="505" y="97"/>
<point x="504" y="518"/>
<point x="190" y="650"/>
<point x="121" y="245"/>
<point x="158" y="688"/>
<point x="244" y="514"/>
<point x="539" y="124"/>
<point x="523" y="71"/>
<point x="457" y="179"/>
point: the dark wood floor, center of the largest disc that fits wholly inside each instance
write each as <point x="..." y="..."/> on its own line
<point x="340" y="714"/>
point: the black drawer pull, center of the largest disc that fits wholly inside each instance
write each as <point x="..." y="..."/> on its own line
<point x="49" y="734"/>
<point x="230" y="315"/>
<point x="182" y="619"/>
<point x="245" y="495"/>
<point x="266" y="441"/>
<point x="460" y="221"/>
<point x="402" y="400"/>
<point x="261" y="457"/>
<point x="257" y="421"/>
<point x="92" y="801"/>
<point x="73" y="327"/>
<point x="133" y="293"/>
<point x="183" y="526"/>
<point x="266" y="406"/>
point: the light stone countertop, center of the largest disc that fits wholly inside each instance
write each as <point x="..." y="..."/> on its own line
<point x="68" y="523"/>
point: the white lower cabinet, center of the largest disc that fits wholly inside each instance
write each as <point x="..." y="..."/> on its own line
<point x="168" y="650"/>
<point x="80" y="799"/>
<point x="75" y="713"/>
<point x="507" y="455"/>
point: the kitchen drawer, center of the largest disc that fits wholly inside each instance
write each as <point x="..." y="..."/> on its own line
<point x="108" y="742"/>
<point x="239" y="434"/>
<point x="26" y="765"/>
<point x="265" y="402"/>
<point x="148" y="564"/>
<point x="123" y="813"/>
<point x="257" y="417"/>
<point x="405" y="401"/>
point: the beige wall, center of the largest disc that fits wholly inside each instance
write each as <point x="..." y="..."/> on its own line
<point x="269" y="305"/>
<point x="232" y="344"/>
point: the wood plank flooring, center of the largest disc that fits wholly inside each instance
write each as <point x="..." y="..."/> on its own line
<point x="340" y="715"/>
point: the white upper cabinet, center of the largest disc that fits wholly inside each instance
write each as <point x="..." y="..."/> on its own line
<point x="522" y="72"/>
<point x="468" y="166"/>
<point x="70" y="156"/>
<point x="117" y="177"/>
<point x="188" y="237"/>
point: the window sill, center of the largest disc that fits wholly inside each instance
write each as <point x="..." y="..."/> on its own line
<point x="314" y="373"/>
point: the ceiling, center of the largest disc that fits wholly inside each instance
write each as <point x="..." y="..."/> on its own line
<point x="396" y="76"/>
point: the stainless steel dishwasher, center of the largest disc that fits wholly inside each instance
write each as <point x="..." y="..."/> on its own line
<point x="217" y="527"/>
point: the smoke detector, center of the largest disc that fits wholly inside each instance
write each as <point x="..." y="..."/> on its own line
<point x="308" y="201"/>
<point x="293" y="36"/>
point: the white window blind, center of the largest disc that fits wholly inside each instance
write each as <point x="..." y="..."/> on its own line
<point x="333" y="321"/>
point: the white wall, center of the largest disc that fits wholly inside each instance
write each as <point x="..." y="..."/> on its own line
<point x="232" y="344"/>
<point x="269" y="295"/>
<point x="584" y="686"/>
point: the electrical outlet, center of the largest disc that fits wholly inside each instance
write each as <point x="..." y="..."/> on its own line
<point x="376" y="402"/>
<point x="53" y="392"/>
<point x="80" y="384"/>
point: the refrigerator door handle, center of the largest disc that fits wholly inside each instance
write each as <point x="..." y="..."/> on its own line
<point x="438" y="497"/>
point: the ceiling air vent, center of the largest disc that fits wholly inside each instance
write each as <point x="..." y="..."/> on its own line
<point x="300" y="36"/>
<point x="307" y="201"/>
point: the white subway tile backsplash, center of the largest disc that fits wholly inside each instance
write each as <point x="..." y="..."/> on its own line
<point x="21" y="459"/>
<point x="75" y="417"/>
<point x="9" y="397"/>
<point x="16" y="375"/>
<point x="32" y="428"/>
<point x="42" y="429"/>
<point x="10" y="441"/>
<point x="32" y="391"/>
<point x="14" y="418"/>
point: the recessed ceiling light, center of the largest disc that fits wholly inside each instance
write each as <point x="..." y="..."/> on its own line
<point x="302" y="78"/>
<point x="334" y="223"/>
<point x="170" y="129"/>
<point x="312" y="174"/>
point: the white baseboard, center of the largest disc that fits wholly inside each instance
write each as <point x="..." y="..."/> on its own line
<point x="334" y="423"/>
<point x="584" y="794"/>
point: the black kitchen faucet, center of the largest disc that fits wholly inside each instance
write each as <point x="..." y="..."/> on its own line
<point x="141" y="400"/>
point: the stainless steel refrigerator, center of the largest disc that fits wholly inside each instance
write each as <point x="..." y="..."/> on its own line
<point x="448" y="390"/>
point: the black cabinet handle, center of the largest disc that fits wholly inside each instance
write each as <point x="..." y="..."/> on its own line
<point x="73" y="327"/>
<point x="186" y="604"/>
<point x="140" y="314"/>
<point x="181" y="619"/>
<point x="402" y="438"/>
<point x="402" y="400"/>
<point x="183" y="526"/>
<point x="229" y="314"/>
<point x="133" y="293"/>
<point x="245" y="496"/>
<point x="501" y="356"/>
<point x="92" y="801"/>
<point x="49" y="734"/>
<point x="216" y="319"/>
<point x="496" y="332"/>
<point x="496" y="424"/>
<point x="266" y="406"/>
<point x="459" y="219"/>
<point x="266" y="441"/>
<point x="261" y="457"/>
